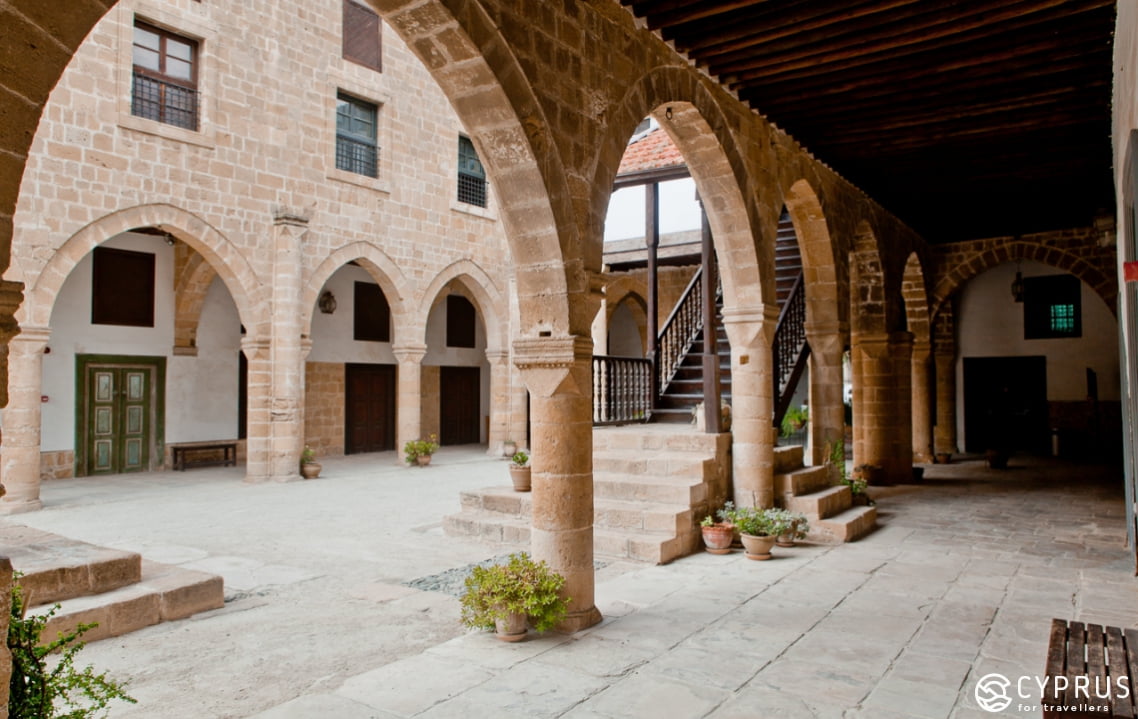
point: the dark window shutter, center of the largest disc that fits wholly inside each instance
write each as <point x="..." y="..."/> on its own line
<point x="372" y="315"/>
<point x="122" y="288"/>
<point x="460" y="322"/>
<point x="362" y="36"/>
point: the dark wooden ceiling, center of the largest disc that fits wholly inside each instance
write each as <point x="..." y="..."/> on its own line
<point x="965" y="118"/>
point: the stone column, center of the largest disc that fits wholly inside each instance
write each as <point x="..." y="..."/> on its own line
<point x="500" y="401"/>
<point x="519" y="410"/>
<point x="5" y="618"/>
<point x="827" y="409"/>
<point x="20" y="444"/>
<point x="945" y="430"/>
<point x="922" y="403"/>
<point x="750" y="331"/>
<point x="11" y="296"/>
<point x="558" y="372"/>
<point x="601" y="330"/>
<point x="281" y="404"/>
<point x="258" y="432"/>
<point x="408" y="395"/>
<point x="882" y="398"/>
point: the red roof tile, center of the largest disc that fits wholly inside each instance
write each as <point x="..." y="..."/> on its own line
<point x="651" y="152"/>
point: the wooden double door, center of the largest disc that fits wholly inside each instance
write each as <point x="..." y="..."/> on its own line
<point x="121" y="407"/>
<point x="370" y="418"/>
<point x="460" y="405"/>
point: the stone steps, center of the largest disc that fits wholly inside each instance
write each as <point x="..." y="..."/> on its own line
<point x="829" y="508"/>
<point x="651" y="485"/>
<point x="119" y="590"/>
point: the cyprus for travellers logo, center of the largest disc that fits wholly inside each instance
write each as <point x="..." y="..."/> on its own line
<point x="992" y="692"/>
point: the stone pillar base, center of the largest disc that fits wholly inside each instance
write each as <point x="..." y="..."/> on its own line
<point x="30" y="505"/>
<point x="576" y="621"/>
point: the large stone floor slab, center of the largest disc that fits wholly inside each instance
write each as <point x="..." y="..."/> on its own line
<point x="960" y="581"/>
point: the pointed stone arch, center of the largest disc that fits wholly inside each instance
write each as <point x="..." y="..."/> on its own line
<point x="948" y="283"/>
<point x="386" y="274"/>
<point x="915" y="295"/>
<point x="700" y="129"/>
<point x="819" y="263"/>
<point x="487" y="299"/>
<point x="481" y="77"/>
<point x="216" y="250"/>
<point x="191" y="285"/>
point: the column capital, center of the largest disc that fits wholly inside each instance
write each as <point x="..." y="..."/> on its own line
<point x="834" y="327"/>
<point x="283" y="215"/>
<point x="30" y="339"/>
<point x="413" y="353"/>
<point x="497" y="356"/>
<point x="255" y="347"/>
<point x="747" y="325"/>
<point x="546" y="363"/>
<point x="305" y="347"/>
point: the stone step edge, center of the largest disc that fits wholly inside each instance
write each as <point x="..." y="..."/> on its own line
<point x="611" y="503"/>
<point x="524" y="524"/>
<point x="104" y="570"/>
<point x="166" y="593"/>
<point x="848" y="526"/>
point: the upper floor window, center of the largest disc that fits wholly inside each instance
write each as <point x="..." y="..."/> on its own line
<point x="165" y="86"/>
<point x="372" y="321"/>
<point x="461" y="322"/>
<point x="361" y="36"/>
<point x="356" y="149"/>
<point x="1052" y="307"/>
<point x="122" y="287"/>
<point x="471" y="175"/>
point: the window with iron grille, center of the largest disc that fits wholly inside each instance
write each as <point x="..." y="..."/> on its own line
<point x="356" y="149"/>
<point x="1052" y="307"/>
<point x="165" y="84"/>
<point x="471" y="175"/>
<point x="361" y="36"/>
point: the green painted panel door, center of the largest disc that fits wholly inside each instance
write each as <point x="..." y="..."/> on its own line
<point x="119" y="422"/>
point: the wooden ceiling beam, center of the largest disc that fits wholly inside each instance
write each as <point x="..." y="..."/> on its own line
<point x="968" y="47"/>
<point x="742" y="33"/>
<point x="871" y="33"/>
<point x="666" y="14"/>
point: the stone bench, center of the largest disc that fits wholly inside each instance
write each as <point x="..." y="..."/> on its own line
<point x="1095" y="666"/>
<point x="204" y="454"/>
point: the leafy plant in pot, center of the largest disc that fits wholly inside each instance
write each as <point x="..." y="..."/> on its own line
<point x="309" y="467"/>
<point x="718" y="536"/>
<point x="504" y="596"/>
<point x="419" y="451"/>
<point x="757" y="528"/>
<point x="520" y="473"/>
<point x="788" y="526"/>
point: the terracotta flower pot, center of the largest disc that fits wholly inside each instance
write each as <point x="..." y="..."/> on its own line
<point x="785" y="540"/>
<point x="758" y="547"/>
<point x="520" y="476"/>
<point x="718" y="538"/>
<point x="512" y="628"/>
<point x="423" y="460"/>
<point x="310" y="470"/>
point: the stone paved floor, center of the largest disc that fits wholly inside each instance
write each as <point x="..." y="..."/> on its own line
<point x="960" y="581"/>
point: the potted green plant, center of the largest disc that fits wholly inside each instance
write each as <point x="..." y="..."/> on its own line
<point x="419" y="451"/>
<point x="520" y="471"/>
<point x="309" y="467"/>
<point x="794" y="420"/>
<point x="718" y="536"/>
<point x="789" y="527"/>
<point x="504" y="596"/>
<point x="757" y="529"/>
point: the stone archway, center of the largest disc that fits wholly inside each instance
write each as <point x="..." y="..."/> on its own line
<point x="915" y="295"/>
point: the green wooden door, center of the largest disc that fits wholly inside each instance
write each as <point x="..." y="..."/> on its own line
<point x="119" y="419"/>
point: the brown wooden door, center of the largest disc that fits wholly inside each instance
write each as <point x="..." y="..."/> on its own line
<point x="370" y="408"/>
<point x="459" y="405"/>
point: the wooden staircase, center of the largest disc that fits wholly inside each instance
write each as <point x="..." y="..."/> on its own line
<point x="810" y="491"/>
<point x="652" y="484"/>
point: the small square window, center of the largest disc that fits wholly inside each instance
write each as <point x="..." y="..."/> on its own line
<point x="471" y="174"/>
<point x="1052" y="307"/>
<point x="356" y="148"/>
<point x="361" y="36"/>
<point x="372" y="314"/>
<point x="122" y="288"/>
<point x="165" y="83"/>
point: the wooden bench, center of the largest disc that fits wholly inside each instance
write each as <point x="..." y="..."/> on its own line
<point x="1095" y="660"/>
<point x="208" y="454"/>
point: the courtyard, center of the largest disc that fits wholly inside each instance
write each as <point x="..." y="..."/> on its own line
<point x="337" y="603"/>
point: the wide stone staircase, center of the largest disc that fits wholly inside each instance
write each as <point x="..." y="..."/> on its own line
<point x="652" y="485"/>
<point x="808" y="490"/>
<point x="119" y="590"/>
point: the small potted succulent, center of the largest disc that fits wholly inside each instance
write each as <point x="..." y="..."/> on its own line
<point x="757" y="528"/>
<point x="520" y="471"/>
<point x="309" y="467"/>
<point x="718" y="536"/>
<point x="419" y="451"/>
<point x="504" y="597"/>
